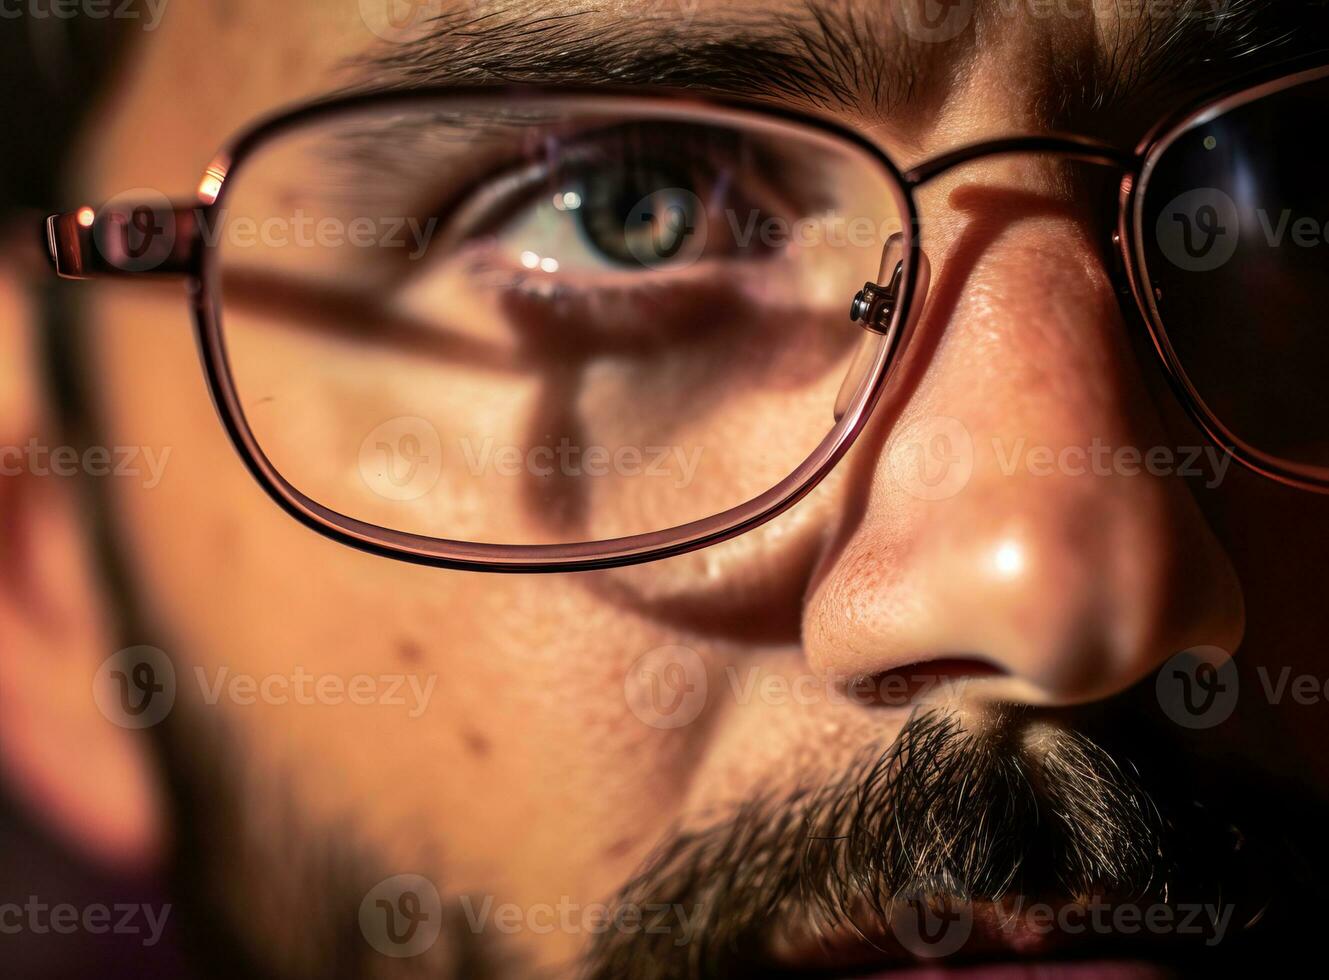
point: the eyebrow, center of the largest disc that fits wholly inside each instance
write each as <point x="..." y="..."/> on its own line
<point x="826" y="55"/>
<point x="1206" y="42"/>
<point x="834" y="55"/>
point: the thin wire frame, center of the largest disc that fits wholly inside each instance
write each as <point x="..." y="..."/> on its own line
<point x="73" y="255"/>
<point x="1133" y="196"/>
<point x="562" y="557"/>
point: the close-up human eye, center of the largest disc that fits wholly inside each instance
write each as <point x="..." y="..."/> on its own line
<point x="614" y="203"/>
<point x="681" y="212"/>
<point x="641" y="278"/>
<point x="663" y="490"/>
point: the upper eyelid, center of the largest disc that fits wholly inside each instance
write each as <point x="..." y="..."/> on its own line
<point x="485" y="199"/>
<point x="488" y="201"/>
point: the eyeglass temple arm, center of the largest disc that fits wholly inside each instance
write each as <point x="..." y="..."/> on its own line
<point x="1082" y="148"/>
<point x="86" y="244"/>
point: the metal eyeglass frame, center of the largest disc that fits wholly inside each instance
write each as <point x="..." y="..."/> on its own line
<point x="888" y="309"/>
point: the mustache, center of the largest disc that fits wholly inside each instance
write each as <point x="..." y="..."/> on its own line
<point x="1016" y="807"/>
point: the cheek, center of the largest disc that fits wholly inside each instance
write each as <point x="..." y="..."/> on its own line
<point x="515" y="443"/>
<point x="526" y="741"/>
<point x="1275" y="536"/>
<point x="205" y="532"/>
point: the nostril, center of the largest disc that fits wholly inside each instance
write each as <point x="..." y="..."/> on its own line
<point x="921" y="680"/>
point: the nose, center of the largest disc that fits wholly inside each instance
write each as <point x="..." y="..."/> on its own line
<point x="1019" y="506"/>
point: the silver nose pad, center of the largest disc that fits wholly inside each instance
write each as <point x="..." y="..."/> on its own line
<point x="874" y="307"/>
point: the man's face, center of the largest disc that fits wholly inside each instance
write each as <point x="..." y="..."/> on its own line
<point x="526" y="742"/>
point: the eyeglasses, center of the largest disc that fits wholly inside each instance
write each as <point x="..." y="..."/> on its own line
<point x="521" y="329"/>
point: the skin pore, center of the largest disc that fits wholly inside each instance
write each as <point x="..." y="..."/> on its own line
<point x="526" y="776"/>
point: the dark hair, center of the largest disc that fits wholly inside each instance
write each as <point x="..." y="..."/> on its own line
<point x="53" y="72"/>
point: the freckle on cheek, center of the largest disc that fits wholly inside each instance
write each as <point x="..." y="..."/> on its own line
<point x="409" y="652"/>
<point x="476" y="744"/>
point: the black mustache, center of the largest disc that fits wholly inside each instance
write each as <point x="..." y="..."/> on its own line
<point x="1020" y="807"/>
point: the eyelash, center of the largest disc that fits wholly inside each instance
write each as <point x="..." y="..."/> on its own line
<point x="671" y="150"/>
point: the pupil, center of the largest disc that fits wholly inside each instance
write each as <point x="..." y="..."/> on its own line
<point x="635" y="218"/>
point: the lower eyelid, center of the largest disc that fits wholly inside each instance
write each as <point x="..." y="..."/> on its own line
<point x="644" y="320"/>
<point x="715" y="282"/>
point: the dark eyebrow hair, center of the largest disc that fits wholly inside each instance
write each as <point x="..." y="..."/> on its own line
<point x="827" y="54"/>
<point x="1206" y="42"/>
<point x="834" y="54"/>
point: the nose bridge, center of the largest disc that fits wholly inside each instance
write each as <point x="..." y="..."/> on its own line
<point x="995" y="521"/>
<point x="1084" y="149"/>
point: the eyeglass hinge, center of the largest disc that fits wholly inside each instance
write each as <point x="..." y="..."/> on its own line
<point x="158" y="241"/>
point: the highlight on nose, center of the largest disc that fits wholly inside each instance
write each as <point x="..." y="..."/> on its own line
<point x="995" y="521"/>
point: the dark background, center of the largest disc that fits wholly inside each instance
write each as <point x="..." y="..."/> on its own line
<point x="54" y="72"/>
